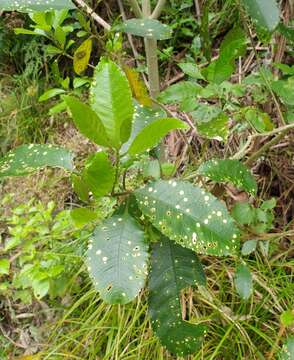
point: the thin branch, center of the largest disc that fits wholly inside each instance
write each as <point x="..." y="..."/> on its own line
<point x="158" y="9"/>
<point x="281" y="131"/>
<point x="136" y="8"/>
<point x="93" y="15"/>
<point x="146" y="8"/>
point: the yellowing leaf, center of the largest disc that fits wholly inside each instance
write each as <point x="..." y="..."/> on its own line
<point x="82" y="56"/>
<point x="138" y="88"/>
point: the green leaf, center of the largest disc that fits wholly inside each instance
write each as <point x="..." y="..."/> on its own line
<point x="143" y="116"/>
<point x="26" y="159"/>
<point x="149" y="28"/>
<point x="192" y="70"/>
<point x="82" y="216"/>
<point x="179" y="92"/>
<point x="243" y="282"/>
<point x="265" y="13"/>
<point x="99" y="174"/>
<point x="4" y="266"/>
<point x="190" y="216"/>
<point x="151" y="135"/>
<point x="243" y="213"/>
<point x="248" y="247"/>
<point x="117" y="259"/>
<point x="80" y="187"/>
<point x="111" y="98"/>
<point x="82" y="56"/>
<point x="35" y="5"/>
<point x="259" y="120"/>
<point x="287" y="318"/>
<point x="233" y="46"/>
<point x="87" y="121"/>
<point x="50" y="94"/>
<point x="173" y="268"/>
<point x="211" y="122"/>
<point x="284" y="89"/>
<point x="224" y="170"/>
<point x="287" y="351"/>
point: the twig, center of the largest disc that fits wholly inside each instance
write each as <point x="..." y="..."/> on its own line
<point x="158" y="9"/>
<point x="281" y="131"/>
<point x="92" y="13"/>
<point x="136" y="8"/>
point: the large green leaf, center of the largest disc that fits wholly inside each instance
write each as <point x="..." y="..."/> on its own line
<point x="99" y="174"/>
<point x="26" y="159"/>
<point x="223" y="170"/>
<point x="173" y="268"/>
<point x="149" y="28"/>
<point x="35" y="5"/>
<point x="265" y="13"/>
<point x="117" y="259"/>
<point x="111" y="99"/>
<point x="190" y="216"/>
<point x="233" y="46"/>
<point x="153" y="133"/>
<point x="87" y="121"/>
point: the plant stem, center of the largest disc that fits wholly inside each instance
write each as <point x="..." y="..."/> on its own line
<point x="152" y="65"/>
<point x="117" y="162"/>
<point x="136" y="8"/>
<point x="158" y="9"/>
<point x="92" y="13"/>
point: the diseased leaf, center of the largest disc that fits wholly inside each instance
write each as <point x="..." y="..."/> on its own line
<point x="117" y="259"/>
<point x="111" y="98"/>
<point x="26" y="159"/>
<point x="228" y="170"/>
<point x="82" y="56"/>
<point x="139" y="90"/>
<point x="190" y="216"/>
<point x="35" y="5"/>
<point x="99" y="174"/>
<point x="87" y="121"/>
<point x="243" y="282"/>
<point x="149" y="28"/>
<point x="173" y="268"/>
<point x="151" y="135"/>
<point x="265" y="13"/>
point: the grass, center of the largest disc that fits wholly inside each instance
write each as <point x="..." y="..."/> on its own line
<point x="91" y="329"/>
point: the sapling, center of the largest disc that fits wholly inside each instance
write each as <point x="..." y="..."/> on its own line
<point x="159" y="226"/>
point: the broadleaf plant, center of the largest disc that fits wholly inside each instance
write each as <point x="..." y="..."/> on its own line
<point x="173" y="218"/>
<point x="35" y="5"/>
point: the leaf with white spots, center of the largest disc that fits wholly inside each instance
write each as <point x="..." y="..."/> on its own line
<point x="229" y="170"/>
<point x="173" y="268"/>
<point x="35" y="5"/>
<point x="149" y="28"/>
<point x="111" y="99"/>
<point x="117" y="259"/>
<point x="26" y="159"/>
<point x="190" y="216"/>
<point x="99" y="174"/>
<point x="265" y="13"/>
<point x="151" y="135"/>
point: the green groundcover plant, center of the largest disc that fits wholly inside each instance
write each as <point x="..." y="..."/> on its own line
<point x="160" y="223"/>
